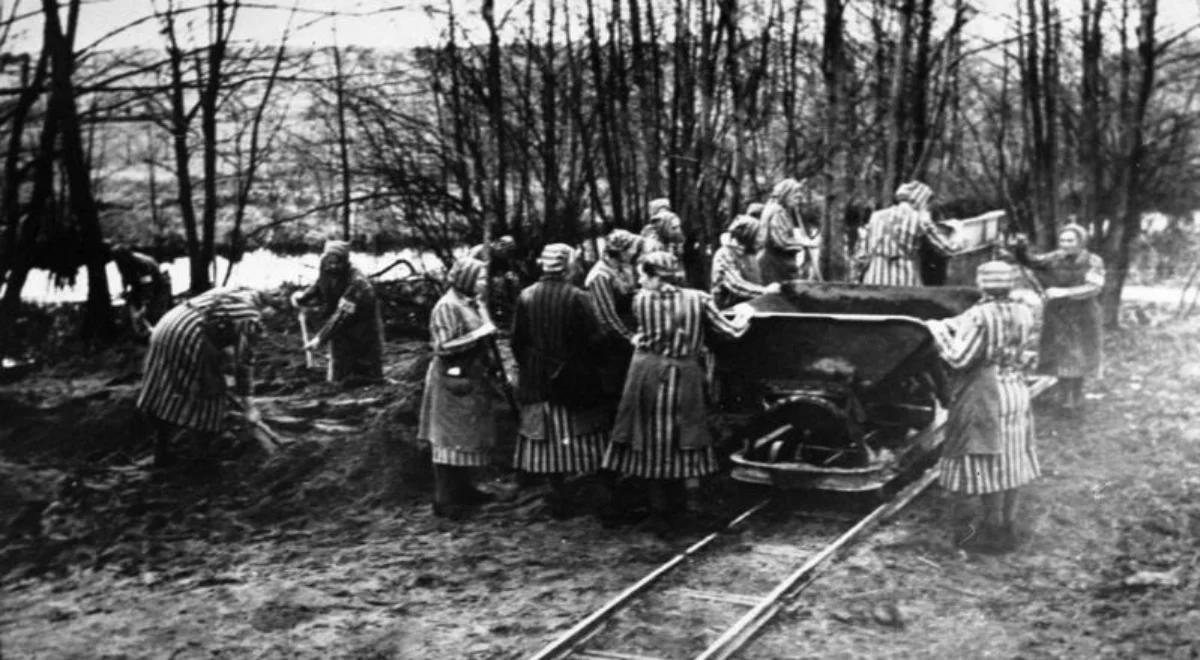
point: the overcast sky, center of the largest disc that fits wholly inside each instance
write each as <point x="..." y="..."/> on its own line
<point x="404" y="24"/>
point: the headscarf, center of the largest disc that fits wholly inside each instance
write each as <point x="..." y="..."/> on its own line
<point x="669" y="227"/>
<point x="341" y="248"/>
<point x="785" y="189"/>
<point x="995" y="276"/>
<point x="664" y="264"/>
<point x="1079" y="230"/>
<point x="658" y="205"/>
<point x="744" y="229"/>
<point x="464" y="275"/>
<point x="916" y="193"/>
<point x="619" y="241"/>
<point x="555" y="259"/>
<point x="755" y="209"/>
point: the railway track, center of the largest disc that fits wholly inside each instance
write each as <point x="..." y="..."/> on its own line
<point x="685" y="605"/>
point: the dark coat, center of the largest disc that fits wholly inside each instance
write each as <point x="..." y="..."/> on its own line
<point x="554" y="337"/>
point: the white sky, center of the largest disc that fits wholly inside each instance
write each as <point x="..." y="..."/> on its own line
<point x="403" y="24"/>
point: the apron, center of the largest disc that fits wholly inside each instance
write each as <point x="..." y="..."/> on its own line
<point x="456" y="408"/>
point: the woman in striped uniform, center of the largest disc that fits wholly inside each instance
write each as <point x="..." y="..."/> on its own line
<point x="661" y="433"/>
<point x="735" y="273"/>
<point x="888" y="252"/>
<point x="610" y="287"/>
<point x="989" y="449"/>
<point x="1072" y="334"/>
<point x="564" y="428"/>
<point x="456" y="409"/>
<point x="791" y="250"/>
<point x="184" y="387"/>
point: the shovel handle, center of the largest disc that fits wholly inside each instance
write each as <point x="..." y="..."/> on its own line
<point x="308" y="354"/>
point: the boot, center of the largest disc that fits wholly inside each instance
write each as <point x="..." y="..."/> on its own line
<point x="559" y="499"/>
<point x="445" y="493"/>
<point x="466" y="492"/>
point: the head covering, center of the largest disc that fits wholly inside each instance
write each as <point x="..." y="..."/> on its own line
<point x="663" y="263"/>
<point x="619" y="241"/>
<point x="659" y="205"/>
<point x="755" y="209"/>
<point x="995" y="276"/>
<point x="464" y="275"/>
<point x="1079" y="230"/>
<point x="744" y="230"/>
<point x="669" y="227"/>
<point x="505" y="243"/>
<point x="555" y="258"/>
<point x="341" y="248"/>
<point x="785" y="189"/>
<point x="916" y="193"/>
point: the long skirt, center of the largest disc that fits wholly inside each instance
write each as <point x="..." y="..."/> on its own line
<point x="183" y="383"/>
<point x="995" y="454"/>
<point x="555" y="439"/>
<point x="1071" y="339"/>
<point x="456" y="414"/>
<point x="661" y="430"/>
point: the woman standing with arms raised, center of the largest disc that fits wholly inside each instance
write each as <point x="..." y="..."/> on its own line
<point x="661" y="433"/>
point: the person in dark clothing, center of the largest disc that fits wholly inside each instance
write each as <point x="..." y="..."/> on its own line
<point x="564" y="428"/>
<point x="147" y="288"/>
<point x="354" y="328"/>
<point x="505" y="275"/>
<point x="1072" y="334"/>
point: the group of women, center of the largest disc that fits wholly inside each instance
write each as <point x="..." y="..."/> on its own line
<point x="611" y="374"/>
<point x="609" y="377"/>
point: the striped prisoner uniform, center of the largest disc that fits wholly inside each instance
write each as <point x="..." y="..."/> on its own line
<point x="609" y="291"/>
<point x="993" y="450"/>
<point x="735" y="276"/>
<point x="553" y="326"/>
<point x="450" y="424"/>
<point x="661" y="430"/>
<point x="184" y="383"/>
<point x="889" y="251"/>
<point x="789" y="250"/>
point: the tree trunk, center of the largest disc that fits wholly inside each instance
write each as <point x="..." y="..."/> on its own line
<point x="98" y="322"/>
<point x="835" y="68"/>
<point x="343" y="140"/>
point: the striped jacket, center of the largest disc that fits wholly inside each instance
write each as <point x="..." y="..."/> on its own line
<point x="671" y="321"/>
<point x="184" y="381"/>
<point x="889" y="251"/>
<point x="735" y="276"/>
<point x="609" y="291"/>
<point x="552" y="326"/>
<point x="990" y="430"/>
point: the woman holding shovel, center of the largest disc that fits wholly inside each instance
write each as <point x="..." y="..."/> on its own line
<point x="191" y="347"/>
<point x="353" y="329"/>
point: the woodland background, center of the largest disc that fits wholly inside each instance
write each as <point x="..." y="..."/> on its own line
<point x="554" y="119"/>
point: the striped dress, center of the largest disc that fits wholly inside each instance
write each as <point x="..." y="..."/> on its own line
<point x="610" y="293"/>
<point x="990" y="433"/>
<point x="553" y="326"/>
<point x="661" y="430"/>
<point x="184" y="382"/>
<point x="456" y="410"/>
<point x="735" y="276"/>
<point x="889" y="251"/>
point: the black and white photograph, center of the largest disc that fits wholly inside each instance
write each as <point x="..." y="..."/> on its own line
<point x="599" y="329"/>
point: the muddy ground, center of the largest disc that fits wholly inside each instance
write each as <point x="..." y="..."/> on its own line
<point x="327" y="548"/>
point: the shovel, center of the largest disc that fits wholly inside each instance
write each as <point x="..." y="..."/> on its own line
<point x="309" y="360"/>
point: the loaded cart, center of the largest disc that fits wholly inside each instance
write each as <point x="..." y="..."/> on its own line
<point x="837" y="387"/>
